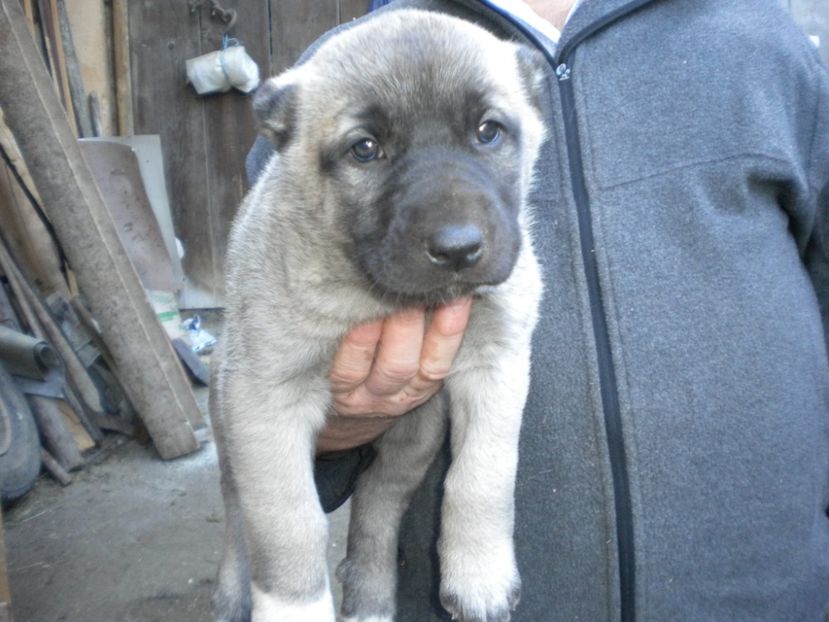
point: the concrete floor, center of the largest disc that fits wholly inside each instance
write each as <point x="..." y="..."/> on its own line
<point x="132" y="539"/>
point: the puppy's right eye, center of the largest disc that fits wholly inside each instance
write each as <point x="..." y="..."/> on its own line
<point x="366" y="150"/>
<point x="489" y="132"/>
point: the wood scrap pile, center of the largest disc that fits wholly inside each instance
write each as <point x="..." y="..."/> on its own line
<point x="81" y="348"/>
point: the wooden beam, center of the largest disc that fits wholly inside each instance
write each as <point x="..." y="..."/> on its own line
<point x="50" y="22"/>
<point x="73" y="72"/>
<point x="123" y="73"/>
<point x="91" y="25"/>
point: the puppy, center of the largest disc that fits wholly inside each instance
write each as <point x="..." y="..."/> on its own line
<point x="405" y="148"/>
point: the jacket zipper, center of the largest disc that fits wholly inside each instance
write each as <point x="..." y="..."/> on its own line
<point x="607" y="372"/>
<point x="563" y="64"/>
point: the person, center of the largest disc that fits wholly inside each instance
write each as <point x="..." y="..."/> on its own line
<point x="674" y="460"/>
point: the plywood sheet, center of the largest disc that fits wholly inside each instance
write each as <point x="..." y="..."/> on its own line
<point x="118" y="176"/>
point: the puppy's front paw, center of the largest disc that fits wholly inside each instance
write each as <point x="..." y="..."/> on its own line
<point x="368" y="592"/>
<point x="231" y="607"/>
<point x="269" y="608"/>
<point x="480" y="586"/>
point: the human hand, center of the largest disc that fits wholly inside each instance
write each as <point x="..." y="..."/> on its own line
<point x="386" y="368"/>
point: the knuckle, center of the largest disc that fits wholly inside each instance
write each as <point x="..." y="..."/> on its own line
<point x="346" y="405"/>
<point x="345" y="377"/>
<point x="398" y="373"/>
<point x="434" y="373"/>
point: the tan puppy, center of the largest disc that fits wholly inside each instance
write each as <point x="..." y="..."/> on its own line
<point x="405" y="150"/>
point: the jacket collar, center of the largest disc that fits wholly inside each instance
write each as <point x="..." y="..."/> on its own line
<point x="590" y="17"/>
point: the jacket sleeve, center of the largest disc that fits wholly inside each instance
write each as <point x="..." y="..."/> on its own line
<point x="816" y="254"/>
<point x="336" y="475"/>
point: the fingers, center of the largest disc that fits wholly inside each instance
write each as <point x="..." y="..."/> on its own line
<point x="352" y="362"/>
<point x="442" y="340"/>
<point x="398" y="355"/>
<point x="387" y="367"/>
<point x="342" y="432"/>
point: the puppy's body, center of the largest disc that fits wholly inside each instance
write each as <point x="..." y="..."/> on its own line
<point x="387" y="190"/>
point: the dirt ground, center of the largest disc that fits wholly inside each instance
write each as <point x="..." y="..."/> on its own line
<point x="132" y="539"/>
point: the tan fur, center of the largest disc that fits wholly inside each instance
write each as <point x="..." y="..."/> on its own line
<point x="293" y="292"/>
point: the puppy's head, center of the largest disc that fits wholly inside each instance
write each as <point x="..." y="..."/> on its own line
<point x="413" y="136"/>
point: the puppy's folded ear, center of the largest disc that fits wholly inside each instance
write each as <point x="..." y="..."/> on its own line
<point x="274" y="103"/>
<point x="534" y="69"/>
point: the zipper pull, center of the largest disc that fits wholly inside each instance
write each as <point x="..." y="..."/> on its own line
<point x="563" y="72"/>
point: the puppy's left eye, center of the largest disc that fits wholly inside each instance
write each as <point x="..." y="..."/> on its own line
<point x="489" y="131"/>
<point x="366" y="150"/>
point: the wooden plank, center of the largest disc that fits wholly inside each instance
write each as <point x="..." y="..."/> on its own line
<point x="9" y="145"/>
<point x="26" y="233"/>
<point x="295" y="25"/>
<point x="230" y="127"/>
<point x="122" y="66"/>
<point x="54" y="468"/>
<point x="28" y="237"/>
<point x="55" y="432"/>
<point x="79" y="433"/>
<point x="352" y="9"/>
<point x="73" y="72"/>
<point x="89" y="21"/>
<point x="50" y="21"/>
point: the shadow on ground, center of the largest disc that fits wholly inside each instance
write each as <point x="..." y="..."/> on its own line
<point x="133" y="539"/>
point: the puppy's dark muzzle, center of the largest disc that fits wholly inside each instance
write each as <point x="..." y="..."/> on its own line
<point x="455" y="247"/>
<point x="449" y="225"/>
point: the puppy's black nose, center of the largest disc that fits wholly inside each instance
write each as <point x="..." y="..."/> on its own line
<point x="455" y="247"/>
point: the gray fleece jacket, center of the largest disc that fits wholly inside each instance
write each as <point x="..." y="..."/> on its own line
<point x="675" y="449"/>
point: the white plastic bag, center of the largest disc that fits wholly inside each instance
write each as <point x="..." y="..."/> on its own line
<point x="220" y="70"/>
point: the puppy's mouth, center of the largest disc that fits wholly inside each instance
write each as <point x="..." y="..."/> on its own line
<point x="429" y="297"/>
<point x="424" y="273"/>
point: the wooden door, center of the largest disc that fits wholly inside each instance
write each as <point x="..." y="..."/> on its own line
<point x="205" y="139"/>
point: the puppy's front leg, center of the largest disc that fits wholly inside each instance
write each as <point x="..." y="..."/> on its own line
<point x="479" y="578"/>
<point x="404" y="454"/>
<point x="270" y="435"/>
